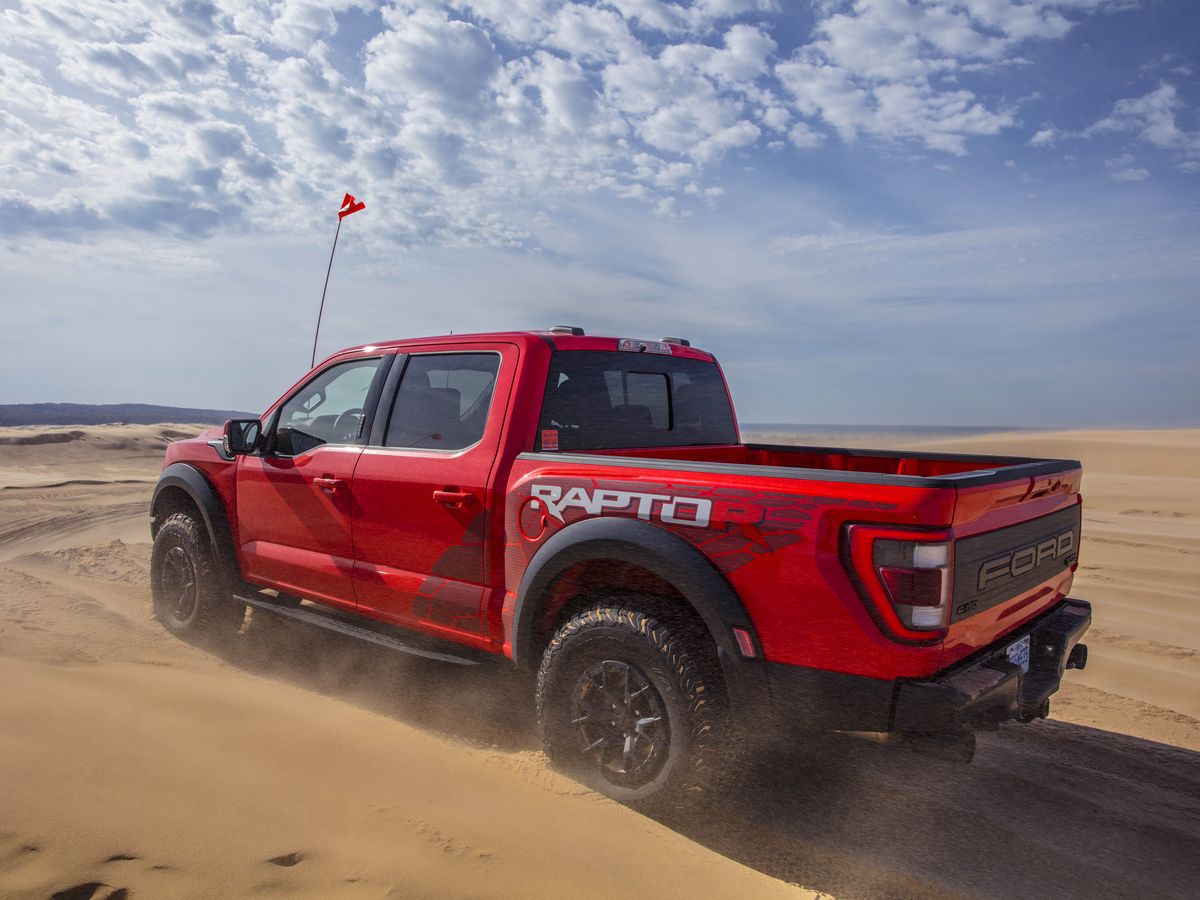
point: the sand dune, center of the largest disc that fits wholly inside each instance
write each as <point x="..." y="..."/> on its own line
<point x="65" y="487"/>
<point x="303" y="765"/>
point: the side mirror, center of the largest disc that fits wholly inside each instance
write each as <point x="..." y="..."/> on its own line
<point x="241" y="436"/>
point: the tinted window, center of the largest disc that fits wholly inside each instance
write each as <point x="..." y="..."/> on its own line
<point x="652" y="392"/>
<point x="598" y="400"/>
<point x="443" y="401"/>
<point x="327" y="410"/>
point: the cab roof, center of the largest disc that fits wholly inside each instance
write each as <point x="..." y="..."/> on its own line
<point x="557" y="340"/>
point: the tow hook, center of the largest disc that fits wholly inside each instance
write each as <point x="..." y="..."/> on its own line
<point x="1078" y="657"/>
<point x="949" y="746"/>
<point x="1042" y="712"/>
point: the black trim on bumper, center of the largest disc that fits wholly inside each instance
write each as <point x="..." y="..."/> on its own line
<point x="986" y="688"/>
<point x="982" y="690"/>
<point x="804" y="699"/>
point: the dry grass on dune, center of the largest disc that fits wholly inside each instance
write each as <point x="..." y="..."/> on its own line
<point x="303" y="765"/>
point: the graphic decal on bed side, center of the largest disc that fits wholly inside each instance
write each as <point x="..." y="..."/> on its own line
<point x="731" y="526"/>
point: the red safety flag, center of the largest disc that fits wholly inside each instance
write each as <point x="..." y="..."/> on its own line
<point x="350" y="205"/>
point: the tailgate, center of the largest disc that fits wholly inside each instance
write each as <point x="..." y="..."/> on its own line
<point x="1016" y="550"/>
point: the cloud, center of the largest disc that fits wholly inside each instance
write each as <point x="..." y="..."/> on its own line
<point x="887" y="68"/>
<point x="63" y="219"/>
<point x="836" y="237"/>
<point x="1124" y="168"/>
<point x="679" y="18"/>
<point x="693" y="99"/>
<point x="440" y="66"/>
<point x="298" y="24"/>
<point x="640" y="162"/>
<point x="1045" y="137"/>
<point x="1151" y="118"/>
<point x="1130" y="175"/>
<point x="463" y="122"/>
<point x="591" y="35"/>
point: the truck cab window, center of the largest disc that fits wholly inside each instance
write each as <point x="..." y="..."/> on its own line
<point x="598" y="400"/>
<point x="327" y="410"/>
<point x="443" y="401"/>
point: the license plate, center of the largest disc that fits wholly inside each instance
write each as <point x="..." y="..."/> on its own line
<point x="1018" y="653"/>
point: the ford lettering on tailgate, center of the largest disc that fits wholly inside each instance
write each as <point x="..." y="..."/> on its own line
<point x="997" y="566"/>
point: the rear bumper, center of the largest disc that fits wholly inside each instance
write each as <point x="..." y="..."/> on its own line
<point x="982" y="690"/>
<point x="988" y="689"/>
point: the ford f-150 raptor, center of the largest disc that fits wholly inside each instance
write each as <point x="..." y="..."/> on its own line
<point x="584" y="506"/>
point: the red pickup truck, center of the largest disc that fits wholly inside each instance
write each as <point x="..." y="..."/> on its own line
<point x="584" y="506"/>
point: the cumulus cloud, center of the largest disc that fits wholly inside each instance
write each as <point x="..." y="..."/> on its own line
<point x="1044" y="137"/>
<point x="463" y="121"/>
<point x="425" y="58"/>
<point x="1152" y="119"/>
<point x="680" y="18"/>
<point x="64" y="218"/>
<point x="693" y="99"/>
<point x="887" y="68"/>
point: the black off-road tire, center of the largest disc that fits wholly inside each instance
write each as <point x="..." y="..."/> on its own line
<point x="191" y="596"/>
<point x="684" y="688"/>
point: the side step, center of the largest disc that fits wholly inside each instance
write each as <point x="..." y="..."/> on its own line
<point x="333" y="622"/>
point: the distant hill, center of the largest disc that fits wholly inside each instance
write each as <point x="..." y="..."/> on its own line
<point x="104" y="413"/>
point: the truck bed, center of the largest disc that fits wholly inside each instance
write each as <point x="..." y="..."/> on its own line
<point x="865" y="466"/>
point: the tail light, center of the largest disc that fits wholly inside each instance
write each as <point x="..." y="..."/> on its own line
<point x="905" y="576"/>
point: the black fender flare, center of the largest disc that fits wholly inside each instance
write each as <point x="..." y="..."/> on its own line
<point x="670" y="557"/>
<point x="193" y="482"/>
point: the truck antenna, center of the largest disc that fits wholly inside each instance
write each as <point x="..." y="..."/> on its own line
<point x="349" y="206"/>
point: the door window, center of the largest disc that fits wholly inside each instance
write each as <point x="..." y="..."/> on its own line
<point x="329" y="409"/>
<point x="443" y="401"/>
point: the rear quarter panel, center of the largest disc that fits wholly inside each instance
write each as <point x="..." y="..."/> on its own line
<point x="776" y="540"/>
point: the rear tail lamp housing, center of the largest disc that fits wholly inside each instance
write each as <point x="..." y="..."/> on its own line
<point x="904" y="577"/>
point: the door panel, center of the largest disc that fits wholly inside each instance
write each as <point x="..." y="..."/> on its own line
<point x="421" y="514"/>
<point x="295" y="499"/>
<point x="295" y="532"/>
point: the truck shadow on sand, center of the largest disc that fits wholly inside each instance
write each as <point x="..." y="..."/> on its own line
<point x="1046" y="810"/>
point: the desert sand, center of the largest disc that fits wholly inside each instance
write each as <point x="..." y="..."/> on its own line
<point x="299" y="764"/>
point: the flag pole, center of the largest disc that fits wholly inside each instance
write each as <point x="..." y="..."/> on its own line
<point x="349" y="207"/>
<point x="321" y="311"/>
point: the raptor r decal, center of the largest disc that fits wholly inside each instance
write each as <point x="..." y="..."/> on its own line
<point x="673" y="510"/>
<point x="730" y="525"/>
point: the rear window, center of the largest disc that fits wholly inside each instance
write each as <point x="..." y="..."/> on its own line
<point x="601" y="400"/>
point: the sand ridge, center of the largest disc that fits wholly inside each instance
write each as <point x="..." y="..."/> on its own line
<point x="304" y="765"/>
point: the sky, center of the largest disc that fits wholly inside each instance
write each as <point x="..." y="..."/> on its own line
<point x="924" y="212"/>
